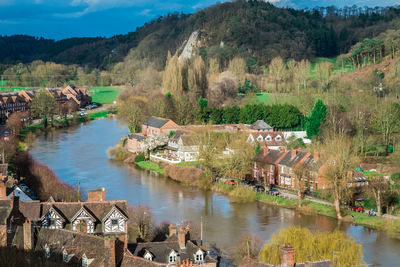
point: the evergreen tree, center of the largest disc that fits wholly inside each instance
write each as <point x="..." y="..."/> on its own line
<point x="318" y="116"/>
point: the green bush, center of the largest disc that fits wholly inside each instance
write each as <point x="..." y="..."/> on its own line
<point x="140" y="157"/>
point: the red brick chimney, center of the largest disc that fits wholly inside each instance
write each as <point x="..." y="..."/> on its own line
<point x="182" y="238"/>
<point x="293" y="153"/>
<point x="3" y="191"/>
<point x="97" y="195"/>
<point x="172" y="229"/>
<point x="109" y="252"/>
<point x="28" y="235"/>
<point x="316" y="155"/>
<point x="287" y="255"/>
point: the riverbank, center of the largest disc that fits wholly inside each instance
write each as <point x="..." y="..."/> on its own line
<point x="242" y="194"/>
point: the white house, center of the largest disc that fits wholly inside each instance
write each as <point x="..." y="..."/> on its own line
<point x="182" y="146"/>
<point x="23" y="192"/>
<point x="274" y="140"/>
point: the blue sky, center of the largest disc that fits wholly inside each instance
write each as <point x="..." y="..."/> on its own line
<point x="60" y="19"/>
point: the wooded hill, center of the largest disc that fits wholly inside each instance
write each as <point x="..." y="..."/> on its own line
<point x="255" y="30"/>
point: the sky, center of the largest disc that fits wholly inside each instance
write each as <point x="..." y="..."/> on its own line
<point x="59" y="19"/>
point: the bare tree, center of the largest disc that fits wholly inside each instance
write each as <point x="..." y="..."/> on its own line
<point x="277" y="70"/>
<point x="338" y="154"/>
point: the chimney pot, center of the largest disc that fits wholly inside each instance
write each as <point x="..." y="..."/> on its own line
<point x="287" y="256"/>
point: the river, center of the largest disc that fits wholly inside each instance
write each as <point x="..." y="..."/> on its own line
<point x="79" y="154"/>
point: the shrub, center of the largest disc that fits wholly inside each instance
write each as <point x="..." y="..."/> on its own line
<point x="242" y="195"/>
<point x="118" y="153"/>
<point x="184" y="174"/>
<point x="140" y="157"/>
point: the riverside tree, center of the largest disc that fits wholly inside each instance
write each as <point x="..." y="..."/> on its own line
<point x="197" y="78"/>
<point x="44" y="106"/>
<point x="277" y="70"/>
<point x="308" y="246"/>
<point x="338" y="153"/>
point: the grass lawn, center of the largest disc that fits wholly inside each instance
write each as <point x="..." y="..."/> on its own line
<point x="188" y="164"/>
<point x="100" y="114"/>
<point x="104" y="95"/>
<point x="148" y="165"/>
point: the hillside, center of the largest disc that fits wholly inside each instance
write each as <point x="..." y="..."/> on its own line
<point x="256" y="30"/>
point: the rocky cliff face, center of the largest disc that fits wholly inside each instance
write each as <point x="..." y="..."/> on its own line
<point x="190" y="46"/>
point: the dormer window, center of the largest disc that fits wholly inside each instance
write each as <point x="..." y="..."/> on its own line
<point x="199" y="256"/>
<point x="47" y="252"/>
<point x="259" y="138"/>
<point x="84" y="261"/>
<point x="148" y="256"/>
<point x="278" y="138"/>
<point x="172" y="257"/>
<point x="268" y="138"/>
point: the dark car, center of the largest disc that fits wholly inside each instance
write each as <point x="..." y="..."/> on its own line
<point x="273" y="192"/>
<point x="259" y="188"/>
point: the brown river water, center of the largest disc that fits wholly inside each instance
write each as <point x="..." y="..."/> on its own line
<point x="79" y="154"/>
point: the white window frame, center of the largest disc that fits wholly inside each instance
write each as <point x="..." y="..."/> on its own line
<point x="173" y="256"/>
<point x="199" y="256"/>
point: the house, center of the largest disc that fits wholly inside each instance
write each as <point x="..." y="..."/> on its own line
<point x="274" y="140"/>
<point x="287" y="260"/>
<point x="134" y="142"/>
<point x="22" y="191"/>
<point x="265" y="165"/>
<point x="11" y="102"/>
<point x="158" y="126"/>
<point x="78" y="95"/>
<point x="261" y="126"/>
<point x="177" y="250"/>
<point x="182" y="146"/>
<point x="96" y="216"/>
<point x="287" y="164"/>
<point x="91" y="233"/>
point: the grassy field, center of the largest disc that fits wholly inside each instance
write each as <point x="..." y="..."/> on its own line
<point x="151" y="166"/>
<point x="104" y="95"/>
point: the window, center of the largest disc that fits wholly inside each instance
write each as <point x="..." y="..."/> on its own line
<point x="278" y="138"/>
<point x="268" y="138"/>
<point x="47" y="252"/>
<point x="52" y="222"/>
<point x="172" y="257"/>
<point x="148" y="256"/>
<point x="114" y="222"/>
<point x="259" y="139"/>
<point x="199" y="256"/>
<point x="333" y="162"/>
<point x="65" y="257"/>
<point x="84" y="261"/>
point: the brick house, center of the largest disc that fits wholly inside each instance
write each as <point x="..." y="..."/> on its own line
<point x="177" y="250"/>
<point x="158" y="126"/>
<point x="265" y="166"/>
<point x="134" y="142"/>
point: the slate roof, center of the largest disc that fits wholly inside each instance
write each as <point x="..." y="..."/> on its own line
<point x="24" y="188"/>
<point x="270" y="158"/>
<point x="161" y="250"/>
<point x="289" y="161"/>
<point x="137" y="137"/>
<point x="175" y="137"/>
<point x="74" y="243"/>
<point x="155" y="122"/>
<point x="260" y="125"/>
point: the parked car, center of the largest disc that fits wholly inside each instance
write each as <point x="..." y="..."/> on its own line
<point x="230" y="182"/>
<point x="259" y="188"/>
<point x="273" y="192"/>
<point x="82" y="114"/>
<point x="357" y="208"/>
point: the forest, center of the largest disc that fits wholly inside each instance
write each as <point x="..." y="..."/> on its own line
<point x="255" y="30"/>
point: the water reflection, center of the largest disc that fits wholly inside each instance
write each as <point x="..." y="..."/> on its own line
<point x="79" y="154"/>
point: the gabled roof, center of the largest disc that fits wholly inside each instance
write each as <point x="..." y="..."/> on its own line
<point x="289" y="161"/>
<point x="88" y="212"/>
<point x="56" y="211"/>
<point x="161" y="250"/>
<point x="155" y="122"/>
<point x="260" y="125"/>
<point x="114" y="208"/>
<point x="271" y="157"/>
<point x="273" y="136"/>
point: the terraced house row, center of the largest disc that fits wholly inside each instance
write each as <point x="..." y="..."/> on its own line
<point x="20" y="101"/>
<point x="278" y="167"/>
